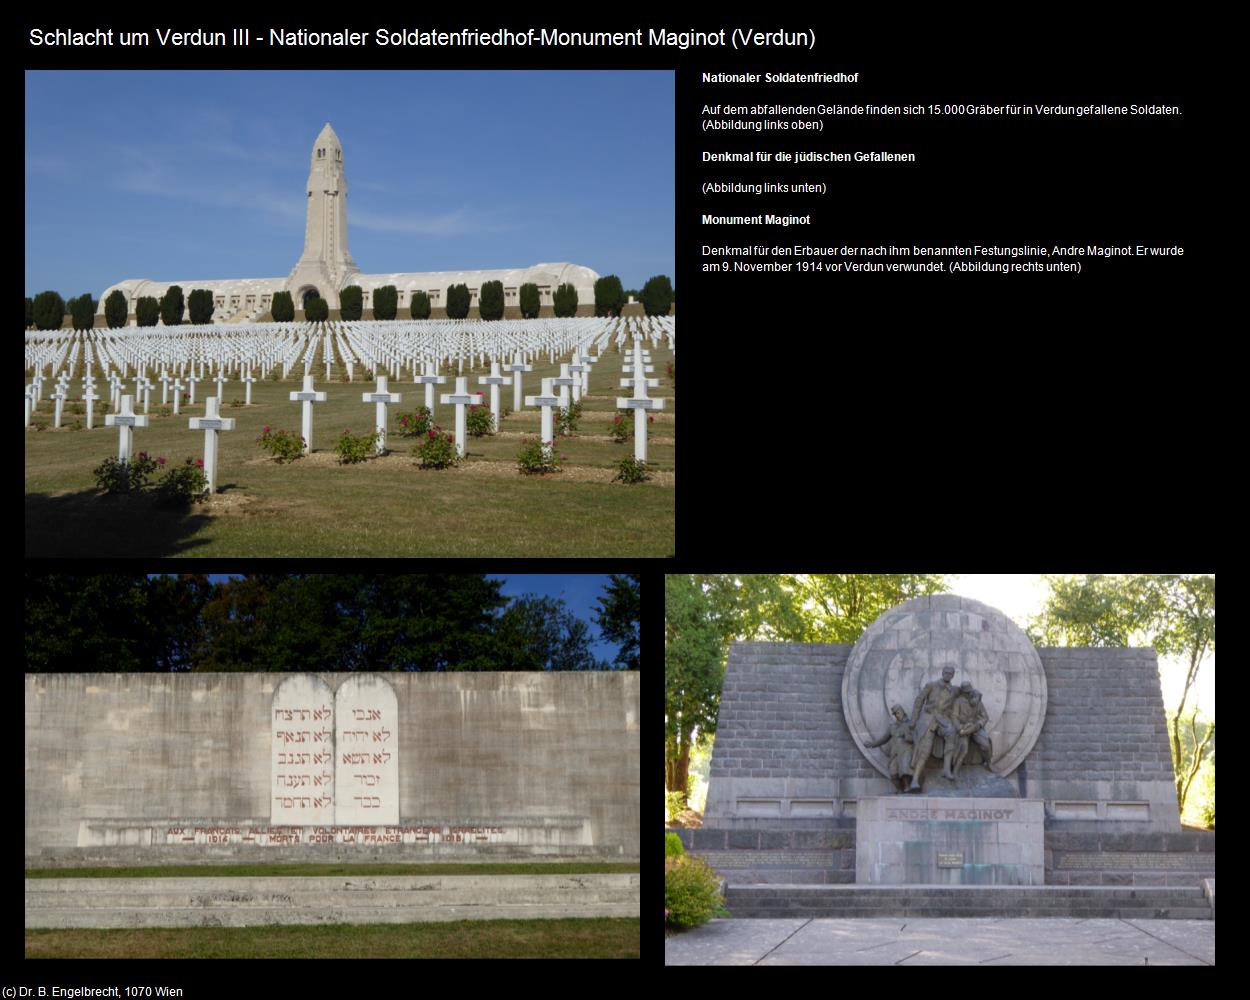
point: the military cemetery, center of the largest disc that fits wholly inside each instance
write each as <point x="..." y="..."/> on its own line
<point x="942" y="766"/>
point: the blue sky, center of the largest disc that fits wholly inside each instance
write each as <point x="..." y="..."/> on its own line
<point x="185" y="175"/>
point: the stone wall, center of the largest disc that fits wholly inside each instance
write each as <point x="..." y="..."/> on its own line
<point x="783" y="750"/>
<point x="474" y="748"/>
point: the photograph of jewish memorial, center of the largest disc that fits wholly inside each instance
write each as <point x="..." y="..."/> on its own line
<point x="332" y="765"/>
<point x="939" y="769"/>
<point x="263" y="334"/>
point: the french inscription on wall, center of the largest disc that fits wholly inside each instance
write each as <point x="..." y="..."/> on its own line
<point x="302" y="752"/>
<point x="367" y="752"/>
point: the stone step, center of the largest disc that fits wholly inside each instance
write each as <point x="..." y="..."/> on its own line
<point x="787" y="876"/>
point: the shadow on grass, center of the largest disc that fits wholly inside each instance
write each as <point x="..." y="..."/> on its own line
<point x="88" y="524"/>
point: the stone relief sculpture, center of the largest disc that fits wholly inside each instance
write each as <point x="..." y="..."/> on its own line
<point x="900" y="746"/>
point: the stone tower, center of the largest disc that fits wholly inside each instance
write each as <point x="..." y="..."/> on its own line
<point x="325" y="264"/>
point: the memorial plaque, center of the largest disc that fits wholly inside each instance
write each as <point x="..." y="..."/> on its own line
<point x="366" y="753"/>
<point x="946" y="860"/>
<point x="302" y="752"/>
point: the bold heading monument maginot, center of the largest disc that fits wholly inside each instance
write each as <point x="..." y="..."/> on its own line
<point x="326" y="267"/>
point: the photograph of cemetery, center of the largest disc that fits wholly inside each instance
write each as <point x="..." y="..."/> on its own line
<point x="474" y="357"/>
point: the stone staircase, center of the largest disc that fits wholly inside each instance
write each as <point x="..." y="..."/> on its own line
<point x="809" y="901"/>
<point x="246" y="902"/>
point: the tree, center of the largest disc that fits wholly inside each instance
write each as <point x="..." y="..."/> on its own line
<point x="490" y="300"/>
<point x="657" y="295"/>
<point x="172" y="306"/>
<point x="694" y="657"/>
<point x="282" y="309"/>
<point x="48" y="311"/>
<point x="316" y="309"/>
<point x="619" y="617"/>
<point x="385" y="302"/>
<point x="147" y="311"/>
<point x="351" y="303"/>
<point x="529" y="300"/>
<point x="115" y="309"/>
<point x="540" y="633"/>
<point x="1174" y="614"/>
<point x="82" y="311"/>
<point x="458" y="300"/>
<point x="200" y="306"/>
<point x="420" y="307"/>
<point x="564" y="302"/>
<point x="30" y="313"/>
<point x="609" y="296"/>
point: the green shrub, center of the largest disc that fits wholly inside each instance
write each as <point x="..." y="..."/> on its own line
<point x="115" y="309"/>
<point x="285" y="446"/>
<point x="30" y="313"/>
<point x="530" y="302"/>
<point x="48" y="311"/>
<point x="564" y="301"/>
<point x="490" y="300"/>
<point x="282" y="309"/>
<point x="536" y="457"/>
<point x="420" y="306"/>
<point x="436" y="450"/>
<point x="672" y="846"/>
<point x="657" y="295"/>
<point x="674" y="803"/>
<point x="691" y="892"/>
<point x="630" y="470"/>
<point x="316" y="310"/>
<point x="351" y="303"/>
<point x="385" y="302"/>
<point x="172" y="306"/>
<point x="147" y="311"/>
<point x="182" y="485"/>
<point x="567" y="418"/>
<point x="478" y="421"/>
<point x="458" y="300"/>
<point x="609" y="296"/>
<point x="82" y="311"/>
<point x="115" y="476"/>
<point x="621" y="429"/>
<point x="413" y="424"/>
<point x="352" y="448"/>
<point x="199" y="306"/>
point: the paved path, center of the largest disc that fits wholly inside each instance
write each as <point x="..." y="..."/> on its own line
<point x="969" y="941"/>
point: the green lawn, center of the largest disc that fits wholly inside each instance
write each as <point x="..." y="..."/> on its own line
<point x="383" y="507"/>
<point x="288" y="871"/>
<point x="604" y="937"/>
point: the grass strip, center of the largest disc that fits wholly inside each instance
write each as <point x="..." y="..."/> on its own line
<point x="359" y="870"/>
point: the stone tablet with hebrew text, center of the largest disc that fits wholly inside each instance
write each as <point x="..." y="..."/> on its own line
<point x="366" y="752"/>
<point x="302" y="753"/>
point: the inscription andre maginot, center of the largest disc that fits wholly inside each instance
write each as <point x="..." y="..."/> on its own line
<point x="937" y="813"/>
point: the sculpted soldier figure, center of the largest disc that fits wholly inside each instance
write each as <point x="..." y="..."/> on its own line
<point x="899" y="738"/>
<point x="932" y="713"/>
<point x="972" y="720"/>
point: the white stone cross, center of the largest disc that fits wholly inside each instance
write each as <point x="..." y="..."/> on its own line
<point x="145" y="386"/>
<point x="177" y="387"/>
<point x="30" y="398"/>
<point x="59" y="396"/>
<point x="248" y="379"/>
<point x="516" y="368"/>
<point x="220" y="379"/>
<point x="164" y="381"/>
<point x="461" y="398"/>
<point x="548" y="400"/>
<point x="576" y="368"/>
<point x="88" y="393"/>
<point x="191" y="380"/>
<point x="430" y="379"/>
<point x="383" y="399"/>
<point x="115" y="390"/>
<point x="494" y="380"/>
<point x="308" y="396"/>
<point x="126" y="421"/>
<point x="564" y="381"/>
<point x="210" y="424"/>
<point x="586" y="360"/>
<point x="640" y="403"/>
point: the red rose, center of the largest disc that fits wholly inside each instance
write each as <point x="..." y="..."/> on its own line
<point x="199" y="462"/>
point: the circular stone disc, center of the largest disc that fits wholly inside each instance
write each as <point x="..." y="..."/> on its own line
<point x="907" y="647"/>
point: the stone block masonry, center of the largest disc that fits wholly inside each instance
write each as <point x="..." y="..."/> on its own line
<point x="115" y="755"/>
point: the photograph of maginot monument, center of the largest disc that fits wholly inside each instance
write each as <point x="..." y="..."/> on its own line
<point x="326" y="265"/>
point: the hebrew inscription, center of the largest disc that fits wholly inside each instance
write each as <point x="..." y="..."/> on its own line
<point x="367" y="752"/>
<point x="302" y="752"/>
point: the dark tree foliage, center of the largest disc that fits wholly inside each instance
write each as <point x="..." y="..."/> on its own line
<point x="200" y="306"/>
<point x="619" y="617"/>
<point x="316" y="310"/>
<point x="351" y="303"/>
<point x="115" y="309"/>
<point x="657" y="295"/>
<point x="172" y="306"/>
<point x="283" y="307"/>
<point x="458" y="299"/>
<point x="147" y="311"/>
<point x="490" y="301"/>
<point x="609" y="296"/>
<point x="529" y="300"/>
<point x="564" y="301"/>
<point x="82" y="311"/>
<point x="385" y="302"/>
<point x="420" y="306"/>
<point x="540" y="633"/>
<point x="48" y="311"/>
<point x="30" y="313"/>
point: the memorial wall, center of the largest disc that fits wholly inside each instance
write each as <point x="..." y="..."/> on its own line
<point x="169" y="767"/>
